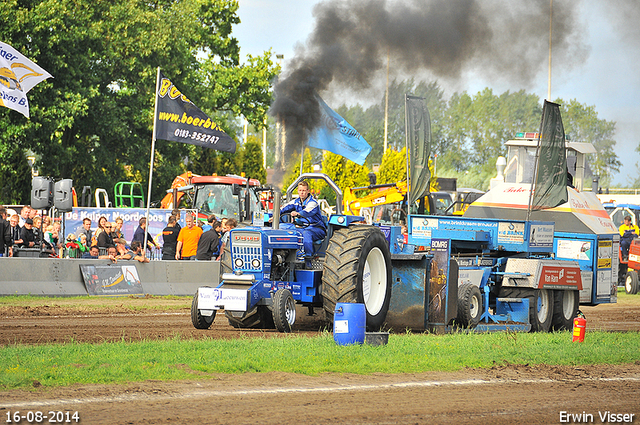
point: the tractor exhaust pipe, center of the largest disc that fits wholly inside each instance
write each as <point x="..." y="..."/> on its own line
<point x="276" y="209"/>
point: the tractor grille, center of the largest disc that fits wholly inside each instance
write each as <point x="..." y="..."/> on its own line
<point x="246" y="251"/>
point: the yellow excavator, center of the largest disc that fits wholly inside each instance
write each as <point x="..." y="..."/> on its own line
<point x="387" y="204"/>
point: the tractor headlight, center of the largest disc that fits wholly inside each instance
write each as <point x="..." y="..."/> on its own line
<point x="255" y="263"/>
<point x="238" y="262"/>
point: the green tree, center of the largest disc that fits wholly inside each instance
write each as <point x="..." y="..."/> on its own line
<point x="252" y="153"/>
<point x="344" y="173"/>
<point x="294" y="171"/>
<point x="476" y="130"/>
<point x="393" y="168"/>
<point x="581" y="124"/>
<point x="95" y="116"/>
<point x="14" y="190"/>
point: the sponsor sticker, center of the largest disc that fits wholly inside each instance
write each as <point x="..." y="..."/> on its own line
<point x="560" y="276"/>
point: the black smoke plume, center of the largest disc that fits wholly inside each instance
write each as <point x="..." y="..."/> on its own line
<point x="349" y="44"/>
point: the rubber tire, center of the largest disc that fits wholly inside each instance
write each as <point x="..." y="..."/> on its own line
<point x="199" y="321"/>
<point x="347" y="255"/>
<point x="259" y="317"/>
<point x="538" y="323"/>
<point x="565" y="309"/>
<point x="469" y="305"/>
<point x="622" y="273"/>
<point x="631" y="282"/>
<point x="284" y="310"/>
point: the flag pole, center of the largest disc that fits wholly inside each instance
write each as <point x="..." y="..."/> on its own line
<point x="153" y="150"/>
<point x="301" y="158"/>
<point x="406" y="138"/>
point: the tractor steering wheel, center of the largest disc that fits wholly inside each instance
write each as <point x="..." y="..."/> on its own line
<point x="305" y="222"/>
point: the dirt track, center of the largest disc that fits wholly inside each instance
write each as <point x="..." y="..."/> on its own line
<point x="501" y="395"/>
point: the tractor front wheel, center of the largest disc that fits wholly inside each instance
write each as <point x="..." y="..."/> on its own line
<point x="357" y="269"/>
<point x="631" y="282"/>
<point x="199" y="321"/>
<point x="284" y="310"/>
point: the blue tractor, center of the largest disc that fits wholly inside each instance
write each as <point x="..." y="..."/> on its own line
<point x="494" y="268"/>
<point x="262" y="280"/>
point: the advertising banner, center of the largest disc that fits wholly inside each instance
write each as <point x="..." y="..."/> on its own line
<point x="335" y="134"/>
<point x="131" y="217"/>
<point x="18" y="75"/>
<point x="438" y="282"/>
<point x="111" y="279"/>
<point x="550" y="188"/>
<point x="419" y="136"/>
<point x="180" y="120"/>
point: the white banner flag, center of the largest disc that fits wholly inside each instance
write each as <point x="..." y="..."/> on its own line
<point x="18" y="75"/>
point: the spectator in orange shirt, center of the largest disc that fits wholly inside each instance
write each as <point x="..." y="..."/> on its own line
<point x="188" y="238"/>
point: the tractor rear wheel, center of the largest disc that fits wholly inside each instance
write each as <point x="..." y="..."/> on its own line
<point x="565" y="309"/>
<point x="357" y="269"/>
<point x="284" y="310"/>
<point x="469" y="305"/>
<point x="631" y="282"/>
<point x="199" y="321"/>
<point x="540" y="305"/>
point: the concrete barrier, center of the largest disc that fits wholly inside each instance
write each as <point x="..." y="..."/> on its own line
<point x="62" y="277"/>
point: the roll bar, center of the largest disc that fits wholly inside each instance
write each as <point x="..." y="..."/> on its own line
<point x="317" y="176"/>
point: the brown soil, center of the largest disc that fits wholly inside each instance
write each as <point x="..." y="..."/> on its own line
<point x="501" y="395"/>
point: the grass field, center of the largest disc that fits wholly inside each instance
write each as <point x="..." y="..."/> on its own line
<point x="57" y="365"/>
<point x="23" y="366"/>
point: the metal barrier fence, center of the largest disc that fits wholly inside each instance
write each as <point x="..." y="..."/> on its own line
<point x="63" y="277"/>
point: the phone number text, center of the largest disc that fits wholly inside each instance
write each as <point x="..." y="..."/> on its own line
<point x="194" y="135"/>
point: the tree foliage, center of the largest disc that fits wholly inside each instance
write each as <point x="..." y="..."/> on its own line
<point x="394" y="167"/>
<point x="252" y="163"/>
<point x="469" y="131"/>
<point x="92" y="122"/>
<point x="581" y="124"/>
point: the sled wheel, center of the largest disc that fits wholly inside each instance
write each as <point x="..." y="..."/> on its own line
<point x="469" y="305"/>
<point x="199" y="321"/>
<point x="565" y="309"/>
<point x="357" y="269"/>
<point x="284" y="310"/>
<point x="540" y="305"/>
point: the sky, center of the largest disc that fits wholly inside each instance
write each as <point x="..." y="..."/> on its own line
<point x="599" y="66"/>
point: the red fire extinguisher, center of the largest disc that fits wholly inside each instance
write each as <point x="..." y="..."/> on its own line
<point x="579" y="327"/>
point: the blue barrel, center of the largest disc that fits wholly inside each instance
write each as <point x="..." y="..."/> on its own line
<point x="349" y="323"/>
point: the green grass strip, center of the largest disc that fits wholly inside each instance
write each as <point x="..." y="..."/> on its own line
<point x="71" y="363"/>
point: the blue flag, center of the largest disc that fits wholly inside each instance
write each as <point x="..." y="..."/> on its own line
<point x="335" y="134"/>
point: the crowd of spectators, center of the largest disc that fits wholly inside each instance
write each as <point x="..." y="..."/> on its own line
<point x="196" y="241"/>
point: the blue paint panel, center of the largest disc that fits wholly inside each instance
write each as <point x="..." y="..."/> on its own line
<point x="345" y="220"/>
<point x="494" y="234"/>
<point x="308" y="281"/>
<point x="406" y="309"/>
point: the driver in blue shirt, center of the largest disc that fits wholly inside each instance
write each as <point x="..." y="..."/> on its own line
<point x="305" y="211"/>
